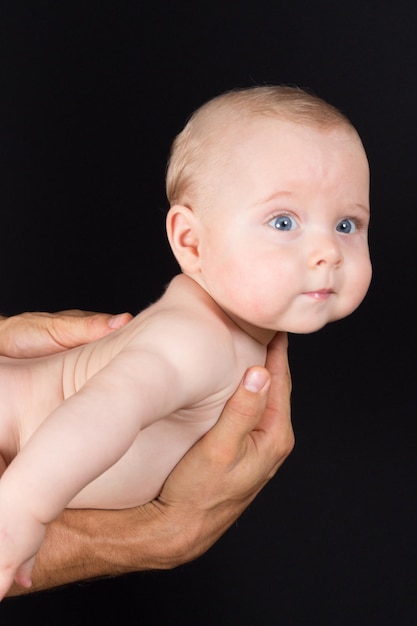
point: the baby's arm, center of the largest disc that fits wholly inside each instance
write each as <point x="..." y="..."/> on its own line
<point x="87" y="434"/>
<point x="84" y="436"/>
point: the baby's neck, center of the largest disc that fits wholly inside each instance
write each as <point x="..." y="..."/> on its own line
<point x="263" y="336"/>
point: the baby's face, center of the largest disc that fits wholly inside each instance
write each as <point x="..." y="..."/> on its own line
<point x="285" y="238"/>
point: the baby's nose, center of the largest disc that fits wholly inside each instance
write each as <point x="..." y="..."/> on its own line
<point x="325" y="251"/>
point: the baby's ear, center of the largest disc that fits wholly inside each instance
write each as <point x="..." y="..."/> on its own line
<point x="182" y="231"/>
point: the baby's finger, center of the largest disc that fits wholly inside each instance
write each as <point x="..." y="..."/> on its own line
<point x="6" y="580"/>
<point x="23" y="575"/>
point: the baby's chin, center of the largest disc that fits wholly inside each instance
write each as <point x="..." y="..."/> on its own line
<point x="307" y="328"/>
<point x="304" y="332"/>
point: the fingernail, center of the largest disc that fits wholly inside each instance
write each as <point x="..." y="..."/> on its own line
<point x="254" y="380"/>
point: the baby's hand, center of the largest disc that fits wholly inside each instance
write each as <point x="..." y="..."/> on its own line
<point x="21" y="536"/>
<point x="22" y="576"/>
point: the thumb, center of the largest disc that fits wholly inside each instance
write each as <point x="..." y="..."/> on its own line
<point x="66" y="329"/>
<point x="69" y="329"/>
<point x="242" y="412"/>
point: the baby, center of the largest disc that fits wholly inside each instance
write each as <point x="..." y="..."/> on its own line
<point x="268" y="220"/>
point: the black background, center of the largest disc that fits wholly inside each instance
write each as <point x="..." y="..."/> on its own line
<point x="92" y="94"/>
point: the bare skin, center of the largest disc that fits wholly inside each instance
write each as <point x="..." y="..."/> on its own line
<point x="235" y="460"/>
<point x="37" y="334"/>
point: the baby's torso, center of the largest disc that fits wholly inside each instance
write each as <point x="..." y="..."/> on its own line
<point x="33" y="388"/>
<point x="139" y="475"/>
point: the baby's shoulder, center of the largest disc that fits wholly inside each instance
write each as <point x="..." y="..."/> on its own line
<point x="187" y="321"/>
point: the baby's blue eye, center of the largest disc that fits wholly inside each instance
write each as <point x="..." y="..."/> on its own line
<point x="346" y="226"/>
<point x="283" y="222"/>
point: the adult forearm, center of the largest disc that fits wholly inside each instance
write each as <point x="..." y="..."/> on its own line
<point x="81" y="545"/>
<point x="84" y="545"/>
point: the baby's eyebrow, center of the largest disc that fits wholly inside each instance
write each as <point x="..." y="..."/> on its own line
<point x="276" y="195"/>
<point x="362" y="207"/>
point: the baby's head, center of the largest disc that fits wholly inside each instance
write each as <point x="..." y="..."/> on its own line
<point x="212" y="131"/>
<point x="269" y="195"/>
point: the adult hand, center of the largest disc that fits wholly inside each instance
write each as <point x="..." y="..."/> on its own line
<point x="225" y="470"/>
<point x="38" y="334"/>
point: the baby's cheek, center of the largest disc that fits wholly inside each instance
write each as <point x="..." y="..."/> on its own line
<point x="356" y="294"/>
<point x="359" y="277"/>
<point x="365" y="278"/>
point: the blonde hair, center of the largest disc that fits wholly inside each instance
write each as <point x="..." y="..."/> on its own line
<point x="207" y="125"/>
